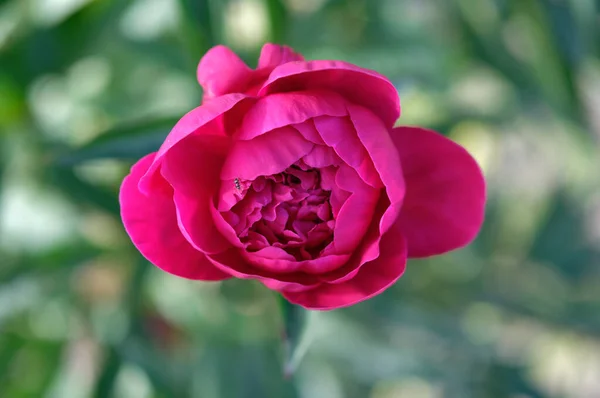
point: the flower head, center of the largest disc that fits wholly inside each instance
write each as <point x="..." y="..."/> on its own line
<point x="293" y="174"/>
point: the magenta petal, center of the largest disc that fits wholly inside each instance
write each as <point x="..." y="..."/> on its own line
<point x="204" y="120"/>
<point x="445" y="192"/>
<point x="371" y="279"/>
<point x="368" y="250"/>
<point x="360" y="86"/>
<point x="326" y="263"/>
<point x="340" y="134"/>
<point x="356" y="213"/>
<point x="309" y="131"/>
<point x="376" y="139"/>
<point x="224" y="227"/>
<point x="196" y="223"/>
<point x="151" y="222"/>
<point x="338" y="195"/>
<point x="221" y="71"/>
<point x="273" y="55"/>
<point x="280" y="110"/>
<point x="276" y="260"/>
<point x="232" y="262"/>
<point x="190" y="167"/>
<point x="321" y="156"/>
<point x="267" y="154"/>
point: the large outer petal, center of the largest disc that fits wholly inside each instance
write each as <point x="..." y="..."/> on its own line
<point x="272" y="55"/>
<point x="208" y="119"/>
<point x="151" y="223"/>
<point x="360" y="86"/>
<point x="221" y="71"/>
<point x="445" y="192"/>
<point x="372" y="278"/>
<point x="284" y="109"/>
<point x="192" y="168"/>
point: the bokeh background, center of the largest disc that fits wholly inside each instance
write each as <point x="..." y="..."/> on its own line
<point x="89" y="86"/>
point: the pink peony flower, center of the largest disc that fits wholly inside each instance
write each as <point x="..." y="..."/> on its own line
<point x="293" y="174"/>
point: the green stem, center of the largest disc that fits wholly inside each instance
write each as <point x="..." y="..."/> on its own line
<point x="294" y="326"/>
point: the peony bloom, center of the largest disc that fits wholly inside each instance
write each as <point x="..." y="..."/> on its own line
<point x="293" y="174"/>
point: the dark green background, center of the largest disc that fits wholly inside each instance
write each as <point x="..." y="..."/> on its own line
<point x="87" y="87"/>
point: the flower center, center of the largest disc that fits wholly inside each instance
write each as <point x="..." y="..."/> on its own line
<point x="289" y="210"/>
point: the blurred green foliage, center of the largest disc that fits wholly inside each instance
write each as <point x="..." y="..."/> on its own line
<point x="88" y="86"/>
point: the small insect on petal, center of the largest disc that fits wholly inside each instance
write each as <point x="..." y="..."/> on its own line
<point x="237" y="184"/>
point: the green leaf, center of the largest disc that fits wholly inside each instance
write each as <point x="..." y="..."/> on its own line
<point x="278" y="19"/>
<point x="82" y="192"/>
<point x="117" y="355"/>
<point x="49" y="262"/>
<point x="242" y="370"/>
<point x="108" y="376"/>
<point x="198" y="17"/>
<point x="295" y="320"/>
<point x="129" y="142"/>
<point x="10" y="344"/>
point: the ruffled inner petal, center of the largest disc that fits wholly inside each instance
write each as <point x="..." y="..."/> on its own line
<point x="355" y="215"/>
<point x="267" y="154"/>
<point x="291" y="211"/>
<point x="287" y="109"/>
<point x="321" y="156"/>
<point x="339" y="134"/>
<point x="375" y="136"/>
